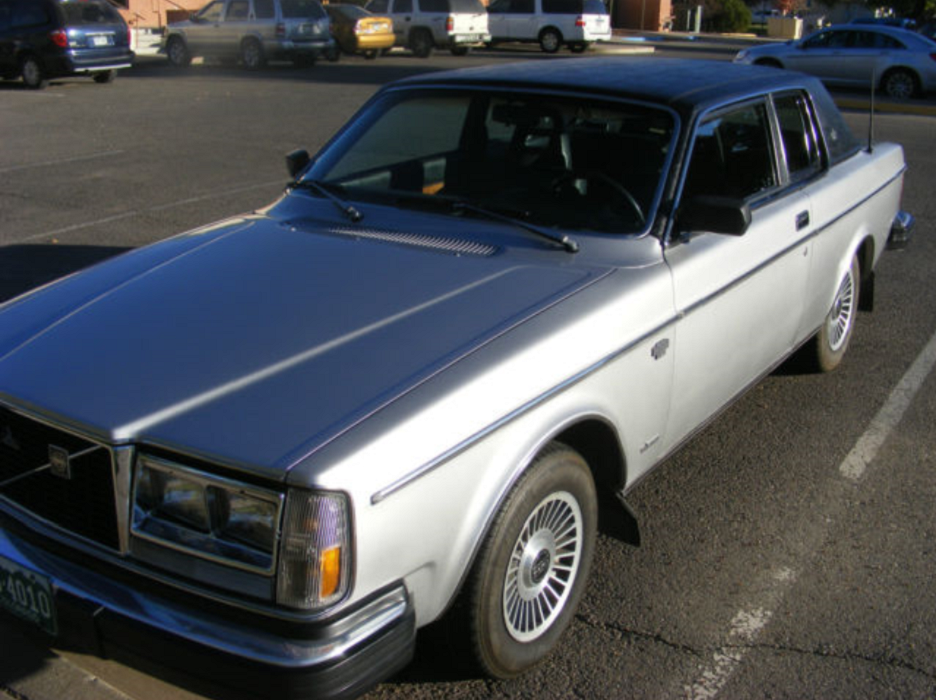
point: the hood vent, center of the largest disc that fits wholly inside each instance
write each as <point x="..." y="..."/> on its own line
<point x="456" y="246"/>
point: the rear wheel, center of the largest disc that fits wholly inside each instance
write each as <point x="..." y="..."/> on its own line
<point x="370" y="55"/>
<point x="33" y="74"/>
<point x="178" y="52"/>
<point x="831" y="342"/>
<point x="105" y="76"/>
<point x="550" y="40"/>
<point x="532" y="569"/>
<point x="900" y="83"/>
<point x="421" y="43"/>
<point x="252" y="54"/>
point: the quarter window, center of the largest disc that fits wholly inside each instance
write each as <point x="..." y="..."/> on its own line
<point x="800" y="147"/>
<point x="264" y="9"/>
<point x="732" y="155"/>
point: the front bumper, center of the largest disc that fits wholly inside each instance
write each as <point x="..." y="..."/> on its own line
<point x="901" y="230"/>
<point x="114" y="616"/>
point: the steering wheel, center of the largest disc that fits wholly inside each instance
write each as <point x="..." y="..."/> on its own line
<point x="619" y="189"/>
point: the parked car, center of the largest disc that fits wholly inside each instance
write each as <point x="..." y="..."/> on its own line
<point x="268" y="450"/>
<point x="358" y="31"/>
<point x="45" y="39"/>
<point x="576" y="23"/>
<point x="421" y="25"/>
<point x="253" y="31"/>
<point x="897" y="61"/>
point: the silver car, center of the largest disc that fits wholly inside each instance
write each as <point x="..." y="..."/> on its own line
<point x="253" y="31"/>
<point x="267" y="451"/>
<point x="897" y="61"/>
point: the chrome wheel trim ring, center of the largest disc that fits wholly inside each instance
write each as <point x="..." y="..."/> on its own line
<point x="842" y="315"/>
<point x="543" y="566"/>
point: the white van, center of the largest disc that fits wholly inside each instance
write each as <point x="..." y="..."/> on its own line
<point x="422" y="25"/>
<point x="576" y="23"/>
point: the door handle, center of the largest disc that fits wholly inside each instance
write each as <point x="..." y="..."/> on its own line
<point x="802" y="220"/>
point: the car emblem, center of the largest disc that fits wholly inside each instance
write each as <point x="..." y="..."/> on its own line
<point x="6" y="438"/>
<point x="60" y="462"/>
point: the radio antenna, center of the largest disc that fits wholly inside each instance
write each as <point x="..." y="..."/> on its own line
<point x="871" y="116"/>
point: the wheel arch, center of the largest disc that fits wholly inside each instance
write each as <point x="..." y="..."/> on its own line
<point x="900" y="68"/>
<point x="866" y="254"/>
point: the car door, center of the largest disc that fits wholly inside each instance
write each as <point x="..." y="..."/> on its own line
<point x="202" y="34"/>
<point x="401" y="11"/>
<point x="739" y="299"/>
<point x="822" y="54"/>
<point x="235" y="25"/>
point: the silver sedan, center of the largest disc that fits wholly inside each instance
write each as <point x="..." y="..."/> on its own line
<point x="897" y="61"/>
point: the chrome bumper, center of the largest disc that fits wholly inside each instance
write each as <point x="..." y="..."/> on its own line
<point x="900" y="232"/>
<point x="379" y="634"/>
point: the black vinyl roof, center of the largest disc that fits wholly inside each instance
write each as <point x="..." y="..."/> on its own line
<point x="686" y="85"/>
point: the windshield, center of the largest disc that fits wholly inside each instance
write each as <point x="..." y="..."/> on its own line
<point x="575" y="164"/>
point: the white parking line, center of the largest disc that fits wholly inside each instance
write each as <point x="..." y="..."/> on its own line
<point x="748" y="623"/>
<point x="61" y="161"/>
<point x="138" y="212"/>
<point x="865" y="450"/>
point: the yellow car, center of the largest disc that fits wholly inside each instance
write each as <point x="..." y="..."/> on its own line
<point x="358" y="31"/>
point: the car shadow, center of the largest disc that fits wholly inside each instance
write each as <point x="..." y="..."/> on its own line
<point x="25" y="266"/>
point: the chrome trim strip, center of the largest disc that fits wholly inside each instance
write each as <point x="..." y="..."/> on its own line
<point x="786" y="251"/>
<point x="436" y="462"/>
<point x="48" y="465"/>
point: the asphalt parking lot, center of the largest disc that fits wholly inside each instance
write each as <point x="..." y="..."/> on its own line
<point x="766" y="571"/>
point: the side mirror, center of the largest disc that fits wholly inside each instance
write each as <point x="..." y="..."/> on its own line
<point x="296" y="162"/>
<point x="725" y="215"/>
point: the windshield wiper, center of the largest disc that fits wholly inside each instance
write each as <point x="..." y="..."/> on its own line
<point x="569" y="244"/>
<point x="345" y="207"/>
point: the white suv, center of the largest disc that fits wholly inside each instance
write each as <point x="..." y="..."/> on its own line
<point x="421" y="25"/>
<point x="552" y="23"/>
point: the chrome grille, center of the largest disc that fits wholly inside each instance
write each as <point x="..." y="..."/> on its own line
<point x="76" y="494"/>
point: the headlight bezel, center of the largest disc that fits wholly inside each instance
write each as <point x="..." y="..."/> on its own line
<point x="204" y="543"/>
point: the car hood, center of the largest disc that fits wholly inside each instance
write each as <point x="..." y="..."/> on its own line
<point x="257" y="342"/>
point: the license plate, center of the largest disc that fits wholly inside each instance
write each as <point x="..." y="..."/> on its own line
<point x="27" y="595"/>
<point x="469" y="38"/>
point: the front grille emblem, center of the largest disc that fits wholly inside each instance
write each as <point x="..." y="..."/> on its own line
<point x="60" y="462"/>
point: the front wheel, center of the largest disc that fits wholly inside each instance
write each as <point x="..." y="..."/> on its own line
<point x="178" y="52"/>
<point x="831" y="342"/>
<point x="533" y="567"/>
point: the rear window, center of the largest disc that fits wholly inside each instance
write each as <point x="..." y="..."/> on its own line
<point x="79" y="13"/>
<point x="563" y="7"/>
<point x="467" y="6"/>
<point x="302" y="9"/>
<point x="595" y="7"/>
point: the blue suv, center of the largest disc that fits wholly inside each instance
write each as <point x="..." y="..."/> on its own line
<point x="43" y="39"/>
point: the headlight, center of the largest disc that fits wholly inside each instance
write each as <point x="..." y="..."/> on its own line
<point x="211" y="517"/>
<point x="315" y="552"/>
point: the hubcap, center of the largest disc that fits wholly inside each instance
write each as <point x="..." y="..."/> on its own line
<point x="542" y="567"/>
<point x="842" y="314"/>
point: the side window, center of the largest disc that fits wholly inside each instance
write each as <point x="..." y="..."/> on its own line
<point x="800" y="145"/>
<point x="212" y="12"/>
<point x="264" y="9"/>
<point x="524" y="7"/>
<point x="238" y="10"/>
<point x="29" y="14"/>
<point x="562" y="7"/>
<point x="732" y="155"/>
<point x="403" y="6"/>
<point x="378" y="7"/>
